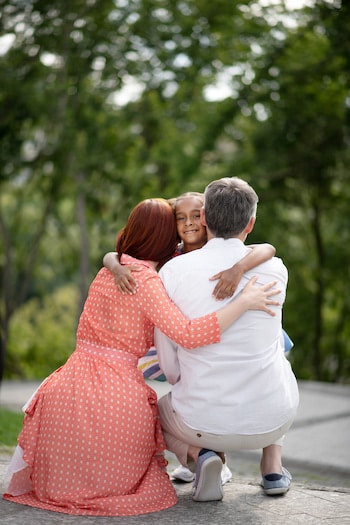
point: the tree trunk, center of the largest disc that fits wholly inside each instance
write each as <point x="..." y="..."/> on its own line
<point x="84" y="241"/>
<point x="319" y="296"/>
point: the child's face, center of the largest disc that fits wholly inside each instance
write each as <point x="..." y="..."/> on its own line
<point x="189" y="227"/>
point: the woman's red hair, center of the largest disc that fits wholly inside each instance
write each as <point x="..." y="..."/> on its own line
<point x="150" y="232"/>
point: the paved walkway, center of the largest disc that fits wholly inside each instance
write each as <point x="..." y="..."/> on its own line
<point x="316" y="451"/>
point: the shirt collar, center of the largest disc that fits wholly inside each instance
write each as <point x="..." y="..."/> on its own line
<point x="216" y="241"/>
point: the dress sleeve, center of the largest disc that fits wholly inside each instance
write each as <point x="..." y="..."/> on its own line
<point x="165" y="315"/>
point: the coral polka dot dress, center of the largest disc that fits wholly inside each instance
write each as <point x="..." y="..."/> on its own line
<point x="91" y="442"/>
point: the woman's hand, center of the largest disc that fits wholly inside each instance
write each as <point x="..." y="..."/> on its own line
<point x="259" y="297"/>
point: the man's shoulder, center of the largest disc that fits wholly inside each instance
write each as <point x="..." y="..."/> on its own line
<point x="275" y="262"/>
<point x="183" y="260"/>
<point x="274" y="268"/>
<point x="179" y="268"/>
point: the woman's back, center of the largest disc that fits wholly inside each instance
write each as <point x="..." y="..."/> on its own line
<point x="114" y="320"/>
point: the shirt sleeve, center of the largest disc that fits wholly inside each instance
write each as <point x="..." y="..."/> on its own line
<point x="165" y="315"/>
<point x="167" y="356"/>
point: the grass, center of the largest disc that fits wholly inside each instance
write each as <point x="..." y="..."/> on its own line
<point x="10" y="426"/>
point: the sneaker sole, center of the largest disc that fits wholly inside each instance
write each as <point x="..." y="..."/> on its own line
<point x="277" y="491"/>
<point x="185" y="479"/>
<point x="209" y="486"/>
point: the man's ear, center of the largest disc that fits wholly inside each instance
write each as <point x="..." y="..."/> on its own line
<point x="250" y="225"/>
<point x="203" y="221"/>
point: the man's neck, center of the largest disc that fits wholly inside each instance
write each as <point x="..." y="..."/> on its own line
<point x="242" y="237"/>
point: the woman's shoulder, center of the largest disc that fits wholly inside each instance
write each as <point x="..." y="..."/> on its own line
<point x="145" y="268"/>
<point x="127" y="259"/>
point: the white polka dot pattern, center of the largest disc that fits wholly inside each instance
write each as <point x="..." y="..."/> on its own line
<point x="91" y="434"/>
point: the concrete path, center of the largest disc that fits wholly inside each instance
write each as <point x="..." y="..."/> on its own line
<point x="316" y="451"/>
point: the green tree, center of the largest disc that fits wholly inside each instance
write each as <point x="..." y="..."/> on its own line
<point x="51" y="97"/>
<point x="78" y="149"/>
<point x="301" y="150"/>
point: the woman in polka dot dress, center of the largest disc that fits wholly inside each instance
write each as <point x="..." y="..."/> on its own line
<point x="91" y="442"/>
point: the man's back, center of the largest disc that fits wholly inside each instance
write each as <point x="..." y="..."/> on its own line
<point x="227" y="387"/>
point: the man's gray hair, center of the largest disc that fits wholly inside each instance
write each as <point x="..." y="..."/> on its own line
<point x="229" y="204"/>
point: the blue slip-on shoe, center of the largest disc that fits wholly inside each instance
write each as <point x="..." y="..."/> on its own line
<point x="276" y="484"/>
<point x="208" y="485"/>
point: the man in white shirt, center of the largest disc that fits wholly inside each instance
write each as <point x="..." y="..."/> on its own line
<point x="240" y="393"/>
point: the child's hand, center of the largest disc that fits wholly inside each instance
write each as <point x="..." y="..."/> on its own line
<point x="228" y="282"/>
<point x="123" y="278"/>
<point x="258" y="297"/>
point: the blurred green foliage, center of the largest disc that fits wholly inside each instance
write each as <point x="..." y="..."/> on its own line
<point x="10" y="426"/>
<point x="42" y="334"/>
<point x="222" y="88"/>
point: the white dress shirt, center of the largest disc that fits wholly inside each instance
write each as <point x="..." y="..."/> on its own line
<point x="244" y="384"/>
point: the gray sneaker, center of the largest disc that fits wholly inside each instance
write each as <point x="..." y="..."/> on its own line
<point x="207" y="485"/>
<point x="276" y="484"/>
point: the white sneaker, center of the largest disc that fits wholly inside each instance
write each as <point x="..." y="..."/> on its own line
<point x="226" y="474"/>
<point x="184" y="474"/>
